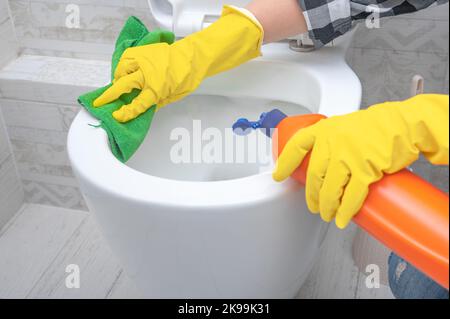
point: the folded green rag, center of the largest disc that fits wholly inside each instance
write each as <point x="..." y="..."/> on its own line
<point x="125" y="138"/>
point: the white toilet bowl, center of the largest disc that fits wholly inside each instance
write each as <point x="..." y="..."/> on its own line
<point x="215" y="230"/>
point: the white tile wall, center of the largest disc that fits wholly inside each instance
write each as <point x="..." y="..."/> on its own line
<point x="11" y="190"/>
<point x="5" y="150"/>
<point x="8" y="41"/>
<point x="405" y="34"/>
<point x="386" y="59"/>
<point x="386" y="75"/>
<point x="39" y="147"/>
<point x="39" y="102"/>
<point x="41" y="26"/>
<point x="4" y="14"/>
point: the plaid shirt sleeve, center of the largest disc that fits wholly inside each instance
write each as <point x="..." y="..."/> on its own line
<point x="329" y="19"/>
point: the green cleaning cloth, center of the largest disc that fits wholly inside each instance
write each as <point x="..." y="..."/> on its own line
<point x="125" y="138"/>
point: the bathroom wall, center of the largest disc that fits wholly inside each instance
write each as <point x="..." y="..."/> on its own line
<point x="387" y="58"/>
<point x="38" y="134"/>
<point x="11" y="193"/>
<point x="8" y="41"/>
<point x="384" y="58"/>
<point x="38" y="125"/>
<point x="48" y="27"/>
<point x="39" y="103"/>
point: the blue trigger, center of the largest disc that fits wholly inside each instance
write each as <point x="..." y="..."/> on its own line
<point x="244" y="127"/>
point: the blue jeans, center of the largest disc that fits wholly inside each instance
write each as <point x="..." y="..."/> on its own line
<point x="407" y="282"/>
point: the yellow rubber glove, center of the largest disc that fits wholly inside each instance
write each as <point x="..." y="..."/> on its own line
<point x="166" y="73"/>
<point x="351" y="152"/>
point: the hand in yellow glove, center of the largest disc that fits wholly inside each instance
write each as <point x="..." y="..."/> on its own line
<point x="166" y="73"/>
<point x="351" y="152"/>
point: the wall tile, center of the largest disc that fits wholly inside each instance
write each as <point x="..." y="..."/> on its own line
<point x="11" y="191"/>
<point x="40" y="153"/>
<point x="38" y="133"/>
<point x="48" y="19"/>
<point x="54" y="80"/>
<point x="41" y="25"/>
<point x="384" y="59"/>
<point x="75" y="72"/>
<point x="405" y="35"/>
<point x="67" y="49"/>
<point x="47" y="175"/>
<point x="4" y="142"/>
<point x="38" y="115"/>
<point x="8" y="42"/>
<point x="40" y="91"/>
<point x="53" y="195"/>
<point x="4" y="13"/>
<point x="34" y="135"/>
<point x="386" y="75"/>
<point x="61" y="171"/>
<point x="440" y="12"/>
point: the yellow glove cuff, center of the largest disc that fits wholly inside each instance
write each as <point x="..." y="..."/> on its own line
<point x="227" y="9"/>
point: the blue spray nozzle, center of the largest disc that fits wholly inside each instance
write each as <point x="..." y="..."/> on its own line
<point x="244" y="127"/>
<point x="267" y="122"/>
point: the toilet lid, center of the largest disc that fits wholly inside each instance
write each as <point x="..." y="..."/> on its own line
<point x="184" y="17"/>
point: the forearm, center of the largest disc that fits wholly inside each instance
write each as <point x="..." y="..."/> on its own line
<point x="279" y="18"/>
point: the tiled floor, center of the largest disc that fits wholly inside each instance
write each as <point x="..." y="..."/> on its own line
<point x="40" y="241"/>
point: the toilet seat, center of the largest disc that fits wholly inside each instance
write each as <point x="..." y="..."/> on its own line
<point x="319" y="81"/>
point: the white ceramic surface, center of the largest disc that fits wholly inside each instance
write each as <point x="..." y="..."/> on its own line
<point x="239" y="236"/>
<point x="185" y="17"/>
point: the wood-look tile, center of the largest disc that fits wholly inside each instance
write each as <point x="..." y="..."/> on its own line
<point x="334" y="274"/>
<point x="30" y="244"/>
<point x="99" y="269"/>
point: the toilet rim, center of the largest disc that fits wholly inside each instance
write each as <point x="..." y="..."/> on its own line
<point x="98" y="169"/>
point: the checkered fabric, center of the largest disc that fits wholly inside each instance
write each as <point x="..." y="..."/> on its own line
<point x="329" y="19"/>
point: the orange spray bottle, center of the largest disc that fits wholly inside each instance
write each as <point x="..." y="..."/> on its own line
<point x="402" y="211"/>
